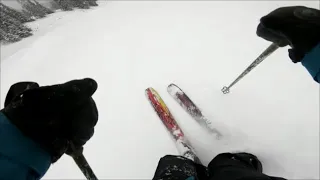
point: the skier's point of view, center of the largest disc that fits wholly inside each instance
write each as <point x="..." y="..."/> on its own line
<point x="39" y="124"/>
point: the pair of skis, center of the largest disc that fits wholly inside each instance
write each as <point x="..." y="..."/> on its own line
<point x="184" y="147"/>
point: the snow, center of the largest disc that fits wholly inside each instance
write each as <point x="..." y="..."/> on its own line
<point x="40" y="28"/>
<point x="185" y="149"/>
<point x="201" y="46"/>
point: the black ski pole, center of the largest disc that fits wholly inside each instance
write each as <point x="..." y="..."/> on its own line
<point x="82" y="163"/>
<point x="263" y="56"/>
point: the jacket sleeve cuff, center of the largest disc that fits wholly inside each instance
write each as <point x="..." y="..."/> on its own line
<point x="311" y="62"/>
<point x="21" y="149"/>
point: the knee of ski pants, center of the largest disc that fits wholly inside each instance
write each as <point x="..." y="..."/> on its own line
<point x="179" y="167"/>
<point x="224" y="167"/>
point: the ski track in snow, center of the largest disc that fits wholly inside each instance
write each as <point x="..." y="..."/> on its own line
<point x="200" y="46"/>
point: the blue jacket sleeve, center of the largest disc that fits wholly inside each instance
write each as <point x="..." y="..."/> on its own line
<point x="311" y="62"/>
<point x="20" y="157"/>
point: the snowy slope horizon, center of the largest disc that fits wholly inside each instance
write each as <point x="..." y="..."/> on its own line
<point x="201" y="46"/>
<point x="17" y="6"/>
<point x="15" y="13"/>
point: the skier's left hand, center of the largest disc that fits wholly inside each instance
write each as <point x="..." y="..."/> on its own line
<point x="179" y="168"/>
<point x="61" y="118"/>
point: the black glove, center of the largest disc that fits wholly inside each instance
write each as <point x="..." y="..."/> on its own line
<point x="61" y="118"/>
<point x="296" y="26"/>
<point x="179" y="168"/>
<point x="237" y="166"/>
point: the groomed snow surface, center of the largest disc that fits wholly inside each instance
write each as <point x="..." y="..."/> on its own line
<point x="127" y="46"/>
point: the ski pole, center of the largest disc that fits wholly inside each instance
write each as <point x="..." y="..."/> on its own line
<point x="82" y="163"/>
<point x="263" y="56"/>
<point x="84" y="167"/>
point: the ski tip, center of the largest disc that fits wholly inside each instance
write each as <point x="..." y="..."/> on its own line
<point x="149" y="89"/>
<point x="172" y="84"/>
<point x="174" y="89"/>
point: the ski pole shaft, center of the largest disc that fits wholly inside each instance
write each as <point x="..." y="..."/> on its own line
<point x="82" y="163"/>
<point x="84" y="167"/>
<point x="273" y="47"/>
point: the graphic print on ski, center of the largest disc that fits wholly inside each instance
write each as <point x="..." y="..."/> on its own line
<point x="183" y="145"/>
<point x="187" y="104"/>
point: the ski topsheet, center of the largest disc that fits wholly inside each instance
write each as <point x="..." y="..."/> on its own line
<point x="189" y="106"/>
<point x="183" y="146"/>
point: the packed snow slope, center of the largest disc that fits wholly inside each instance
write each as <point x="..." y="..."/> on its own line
<point x="201" y="46"/>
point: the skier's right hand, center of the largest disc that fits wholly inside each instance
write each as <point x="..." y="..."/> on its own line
<point x="60" y="118"/>
<point x="296" y="26"/>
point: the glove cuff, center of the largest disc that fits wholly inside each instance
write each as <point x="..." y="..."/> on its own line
<point x="296" y="55"/>
<point x="56" y="147"/>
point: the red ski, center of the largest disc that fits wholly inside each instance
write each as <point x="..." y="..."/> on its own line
<point x="183" y="146"/>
